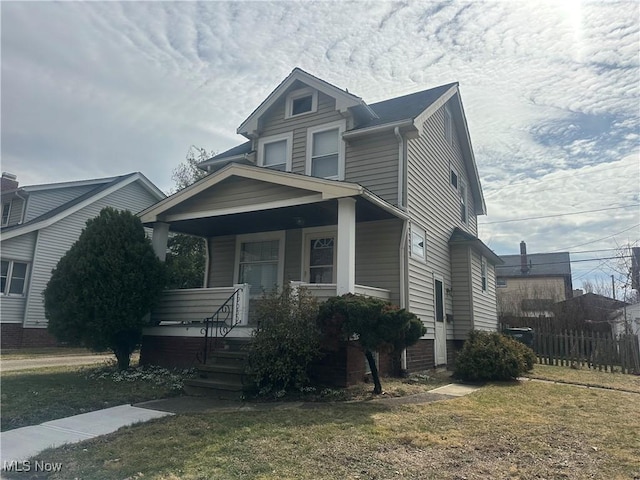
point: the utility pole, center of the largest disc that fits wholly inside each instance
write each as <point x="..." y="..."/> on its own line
<point x="613" y="287"/>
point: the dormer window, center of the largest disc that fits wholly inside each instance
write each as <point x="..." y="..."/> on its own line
<point x="6" y="211"/>
<point x="275" y="152"/>
<point x="301" y="102"/>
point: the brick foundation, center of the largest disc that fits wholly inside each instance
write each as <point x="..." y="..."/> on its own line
<point x="420" y="356"/>
<point x="170" y="352"/>
<point x="14" y="336"/>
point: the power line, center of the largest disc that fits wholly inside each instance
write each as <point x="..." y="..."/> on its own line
<point x="570" y="261"/>
<point x="599" y="239"/>
<point x="560" y="214"/>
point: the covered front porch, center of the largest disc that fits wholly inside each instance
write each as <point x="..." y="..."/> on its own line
<point x="264" y="229"/>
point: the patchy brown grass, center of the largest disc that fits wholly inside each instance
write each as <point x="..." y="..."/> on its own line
<point x="525" y="430"/>
<point x="588" y="377"/>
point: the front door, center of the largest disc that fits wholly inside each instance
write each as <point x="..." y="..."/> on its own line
<point x="441" y="324"/>
<point x="320" y="253"/>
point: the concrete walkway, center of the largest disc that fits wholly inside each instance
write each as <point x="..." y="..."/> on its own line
<point x="23" y="443"/>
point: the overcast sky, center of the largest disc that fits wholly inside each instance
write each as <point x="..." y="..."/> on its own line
<point x="550" y="90"/>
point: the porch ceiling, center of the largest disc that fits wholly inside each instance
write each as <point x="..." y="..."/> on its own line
<point x="286" y="218"/>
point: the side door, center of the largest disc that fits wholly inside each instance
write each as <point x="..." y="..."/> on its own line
<point x="440" y="346"/>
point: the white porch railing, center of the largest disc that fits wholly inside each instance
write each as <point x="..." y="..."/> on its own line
<point x="323" y="291"/>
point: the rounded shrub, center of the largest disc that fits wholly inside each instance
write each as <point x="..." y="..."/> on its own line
<point x="492" y="356"/>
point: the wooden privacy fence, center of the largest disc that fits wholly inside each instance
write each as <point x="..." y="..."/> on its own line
<point x="592" y="349"/>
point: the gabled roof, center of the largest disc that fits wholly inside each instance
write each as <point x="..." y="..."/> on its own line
<point x="344" y="99"/>
<point x="103" y="187"/>
<point x="540" y="265"/>
<point x="460" y="237"/>
<point x="324" y="189"/>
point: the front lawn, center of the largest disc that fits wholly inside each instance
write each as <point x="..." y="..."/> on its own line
<point x="588" y="377"/>
<point x="33" y="396"/>
<point x="512" y="430"/>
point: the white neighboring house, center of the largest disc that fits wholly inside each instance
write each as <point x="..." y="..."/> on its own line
<point x="626" y="320"/>
<point x="39" y="225"/>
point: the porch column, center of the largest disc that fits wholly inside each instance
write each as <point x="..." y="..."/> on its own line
<point x="159" y="239"/>
<point x="346" y="261"/>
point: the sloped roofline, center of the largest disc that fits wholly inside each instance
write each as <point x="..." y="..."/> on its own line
<point x="329" y="189"/>
<point x="344" y="100"/>
<point x="110" y="185"/>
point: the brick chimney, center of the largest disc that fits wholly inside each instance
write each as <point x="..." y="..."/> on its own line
<point x="9" y="182"/>
<point x="524" y="264"/>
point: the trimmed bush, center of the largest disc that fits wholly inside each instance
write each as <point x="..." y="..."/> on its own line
<point x="285" y="342"/>
<point x="493" y="356"/>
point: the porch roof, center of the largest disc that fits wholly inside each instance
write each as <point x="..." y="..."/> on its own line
<point x="304" y="201"/>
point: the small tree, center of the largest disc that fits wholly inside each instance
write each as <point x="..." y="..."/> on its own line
<point x="285" y="341"/>
<point x="101" y="290"/>
<point x="379" y="326"/>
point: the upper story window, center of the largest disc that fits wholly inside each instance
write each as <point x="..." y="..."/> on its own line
<point x="418" y="245"/>
<point x="275" y="152"/>
<point x="462" y="192"/>
<point x="483" y="273"/>
<point x="454" y="179"/>
<point x="448" y="125"/>
<point x="301" y="102"/>
<point x="13" y="277"/>
<point x="326" y="151"/>
<point x="6" y="211"/>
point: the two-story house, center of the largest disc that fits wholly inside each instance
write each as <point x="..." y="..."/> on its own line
<point x="39" y="225"/>
<point x="528" y="285"/>
<point x="340" y="196"/>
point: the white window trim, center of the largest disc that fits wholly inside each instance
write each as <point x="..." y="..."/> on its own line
<point x="302" y="92"/>
<point x="341" y="126"/>
<point x="288" y="137"/>
<point x="257" y="237"/>
<point x="423" y="232"/>
<point x="484" y="287"/>
<point x="464" y="199"/>
<point x="308" y="234"/>
<point x="10" y="278"/>
<point x="10" y="203"/>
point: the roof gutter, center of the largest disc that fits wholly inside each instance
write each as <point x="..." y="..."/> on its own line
<point x="376" y="129"/>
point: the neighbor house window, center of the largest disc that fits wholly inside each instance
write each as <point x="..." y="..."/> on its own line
<point x="448" y="125"/>
<point x="483" y="273"/>
<point x="301" y="102"/>
<point x="13" y="277"/>
<point x="275" y="152"/>
<point x="325" y="151"/>
<point x="418" y="239"/>
<point x="6" y="211"/>
<point x="259" y="259"/>
<point x="501" y="282"/>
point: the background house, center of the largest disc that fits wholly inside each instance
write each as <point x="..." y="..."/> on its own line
<point x="529" y="284"/>
<point x="587" y="312"/>
<point x="340" y="196"/>
<point x="39" y="225"/>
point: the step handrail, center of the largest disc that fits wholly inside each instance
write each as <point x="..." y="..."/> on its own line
<point x="229" y="310"/>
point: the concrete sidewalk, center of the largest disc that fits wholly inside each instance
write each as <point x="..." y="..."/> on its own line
<point x="23" y="443"/>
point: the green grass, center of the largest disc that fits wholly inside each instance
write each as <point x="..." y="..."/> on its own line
<point x="505" y="430"/>
<point x="33" y="396"/>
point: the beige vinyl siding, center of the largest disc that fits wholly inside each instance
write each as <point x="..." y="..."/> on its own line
<point x="55" y="240"/>
<point x="17" y="249"/>
<point x="274" y="123"/>
<point x="222" y="254"/>
<point x="293" y="256"/>
<point x="462" y="296"/>
<point x="434" y="204"/>
<point x="372" y="161"/>
<point x="190" y="305"/>
<point x="377" y="255"/>
<point x="485" y="316"/>
<point x="43" y="201"/>
<point x="237" y="192"/>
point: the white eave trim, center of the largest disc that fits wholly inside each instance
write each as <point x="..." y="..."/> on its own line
<point x="16" y="232"/>
<point x="218" y="161"/>
<point x="377" y="128"/>
<point x="434" y="107"/>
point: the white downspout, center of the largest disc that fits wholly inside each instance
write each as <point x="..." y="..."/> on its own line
<point x="403" y="238"/>
<point x="396" y="132"/>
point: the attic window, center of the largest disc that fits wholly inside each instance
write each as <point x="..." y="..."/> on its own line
<point x="301" y="102"/>
<point x="6" y="210"/>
